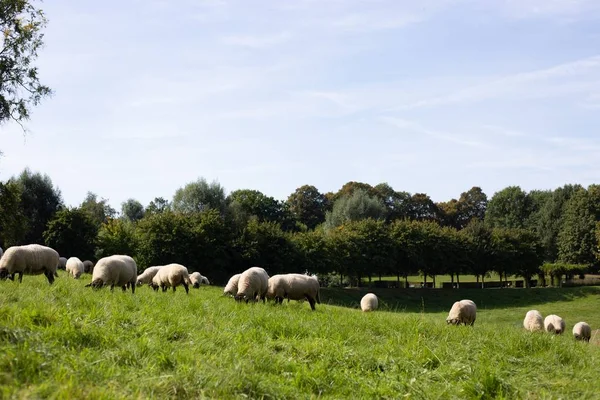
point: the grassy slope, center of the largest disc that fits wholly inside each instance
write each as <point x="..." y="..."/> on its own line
<point x="67" y="341"/>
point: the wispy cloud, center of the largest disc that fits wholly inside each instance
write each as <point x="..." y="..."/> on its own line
<point x="503" y="131"/>
<point x="257" y="41"/>
<point x="445" y="136"/>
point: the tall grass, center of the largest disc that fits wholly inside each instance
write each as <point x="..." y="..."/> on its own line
<point x="67" y="341"/>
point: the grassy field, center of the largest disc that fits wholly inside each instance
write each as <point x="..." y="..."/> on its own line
<point x="67" y="341"/>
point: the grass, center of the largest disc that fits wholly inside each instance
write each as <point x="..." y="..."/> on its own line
<point x="67" y="341"/>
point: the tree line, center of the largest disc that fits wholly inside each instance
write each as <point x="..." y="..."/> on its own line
<point x="359" y="232"/>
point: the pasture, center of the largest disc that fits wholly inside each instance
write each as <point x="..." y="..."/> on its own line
<point x="68" y="341"/>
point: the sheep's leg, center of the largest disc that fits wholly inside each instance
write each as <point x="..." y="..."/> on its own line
<point x="187" y="288"/>
<point x="174" y="289"/>
<point x="164" y="288"/>
<point x="132" y="288"/>
<point x="124" y="287"/>
<point x="112" y="287"/>
<point x="312" y="302"/>
<point x="20" y="276"/>
<point x="50" y="276"/>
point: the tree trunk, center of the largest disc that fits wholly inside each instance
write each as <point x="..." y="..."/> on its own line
<point x="452" y="279"/>
<point x="477" y="277"/>
<point x="341" y="280"/>
<point x="405" y="281"/>
<point x="482" y="281"/>
<point x="380" y="277"/>
<point x="434" y="281"/>
<point x="527" y="282"/>
<point x="457" y="281"/>
<point x="425" y="280"/>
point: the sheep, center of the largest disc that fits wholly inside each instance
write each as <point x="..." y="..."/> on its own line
<point x="582" y="331"/>
<point x="31" y="259"/>
<point x="369" y="302"/>
<point x="171" y="275"/>
<point x="62" y="263"/>
<point x="116" y="270"/>
<point x="533" y="321"/>
<point x="253" y="282"/>
<point x="75" y="267"/>
<point x="462" y="312"/>
<point x="294" y="287"/>
<point x="197" y="279"/>
<point x="147" y="276"/>
<point x="88" y="266"/>
<point x="232" y="285"/>
<point x="1" y="252"/>
<point x="554" y="324"/>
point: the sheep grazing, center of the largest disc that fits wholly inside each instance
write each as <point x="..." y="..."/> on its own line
<point x="232" y="285"/>
<point x="31" y="259"/>
<point x="554" y="324"/>
<point x="253" y="283"/>
<point x="75" y="267"/>
<point x="197" y="279"/>
<point x="533" y="321"/>
<point x="62" y="263"/>
<point x="145" y="278"/>
<point x="116" y="270"/>
<point x="88" y="267"/>
<point x="369" y="302"/>
<point x="462" y="312"/>
<point x="294" y="287"/>
<point x="582" y="331"/>
<point x="171" y="275"/>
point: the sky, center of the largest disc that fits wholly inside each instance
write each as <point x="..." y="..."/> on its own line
<point x="430" y="96"/>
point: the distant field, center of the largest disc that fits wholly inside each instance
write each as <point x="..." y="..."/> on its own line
<point x="67" y="341"/>
<point x="440" y="278"/>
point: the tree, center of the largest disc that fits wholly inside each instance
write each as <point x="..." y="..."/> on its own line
<point x="422" y="208"/>
<point x="99" y="210"/>
<point x="508" y="208"/>
<point x="132" y="210"/>
<point x="117" y="236"/>
<point x="405" y="235"/>
<point x="200" y="196"/>
<point x="20" y="89"/>
<point x="359" y="205"/>
<point x="40" y="200"/>
<point x="13" y="223"/>
<point x="398" y="204"/>
<point x="479" y="248"/>
<point x="349" y="188"/>
<point x="471" y="205"/>
<point x="158" y="205"/>
<point x="308" y="206"/>
<point x="72" y="233"/>
<point x="577" y="239"/>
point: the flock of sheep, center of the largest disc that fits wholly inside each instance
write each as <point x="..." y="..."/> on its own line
<point x="251" y="285"/>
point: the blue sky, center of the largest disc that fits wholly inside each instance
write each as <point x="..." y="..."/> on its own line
<point x="431" y="96"/>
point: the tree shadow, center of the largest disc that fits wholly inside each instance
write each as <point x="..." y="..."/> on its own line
<point x="440" y="300"/>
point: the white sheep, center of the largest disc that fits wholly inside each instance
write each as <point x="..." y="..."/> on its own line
<point x="31" y="259"/>
<point x="62" y="263"/>
<point x="197" y="279"/>
<point x="462" y="312"/>
<point x="147" y="276"/>
<point x="116" y="270"/>
<point x="253" y="283"/>
<point x="294" y="287"/>
<point x="75" y="267"/>
<point x="582" y="331"/>
<point x="88" y="267"/>
<point x="171" y="275"/>
<point x="232" y="285"/>
<point x="533" y="321"/>
<point x="369" y="302"/>
<point x="554" y="324"/>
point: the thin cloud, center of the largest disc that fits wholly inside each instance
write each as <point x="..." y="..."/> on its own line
<point x="257" y="41"/>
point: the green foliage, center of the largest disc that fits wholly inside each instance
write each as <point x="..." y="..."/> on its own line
<point x="21" y="24"/>
<point x="422" y="208"/>
<point x="313" y="253"/>
<point x="199" y="196"/>
<point x="40" y="200"/>
<point x="557" y="270"/>
<point x="99" y="210"/>
<point x="158" y="205"/>
<point x="398" y="204"/>
<point x="117" y="236"/>
<point x="13" y="223"/>
<point x="203" y="345"/>
<point x="72" y="233"/>
<point x="471" y="205"/>
<point x="308" y="206"/>
<point x="508" y="208"/>
<point x="132" y="210"/>
<point x="359" y="205"/>
<point x="479" y="246"/>
<point x="516" y="252"/>
<point x="576" y="238"/>
<point x="245" y="204"/>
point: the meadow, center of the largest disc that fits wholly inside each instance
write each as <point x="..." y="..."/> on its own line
<point x="68" y="341"/>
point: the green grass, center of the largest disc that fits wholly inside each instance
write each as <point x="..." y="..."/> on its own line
<point x="67" y="341"/>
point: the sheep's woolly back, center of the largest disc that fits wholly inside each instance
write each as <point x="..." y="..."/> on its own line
<point x="147" y="276"/>
<point x="533" y="321"/>
<point x="232" y="285"/>
<point x="369" y="302"/>
<point x="196" y="279"/>
<point x="171" y="275"/>
<point x="117" y="270"/>
<point x="253" y="282"/>
<point x="62" y="262"/>
<point x="554" y="324"/>
<point x="31" y="259"/>
<point x="462" y="312"/>
<point x="88" y="266"/>
<point x="75" y="267"/>
<point x="582" y="331"/>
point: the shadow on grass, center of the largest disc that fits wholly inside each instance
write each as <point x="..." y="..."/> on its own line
<point x="439" y="300"/>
